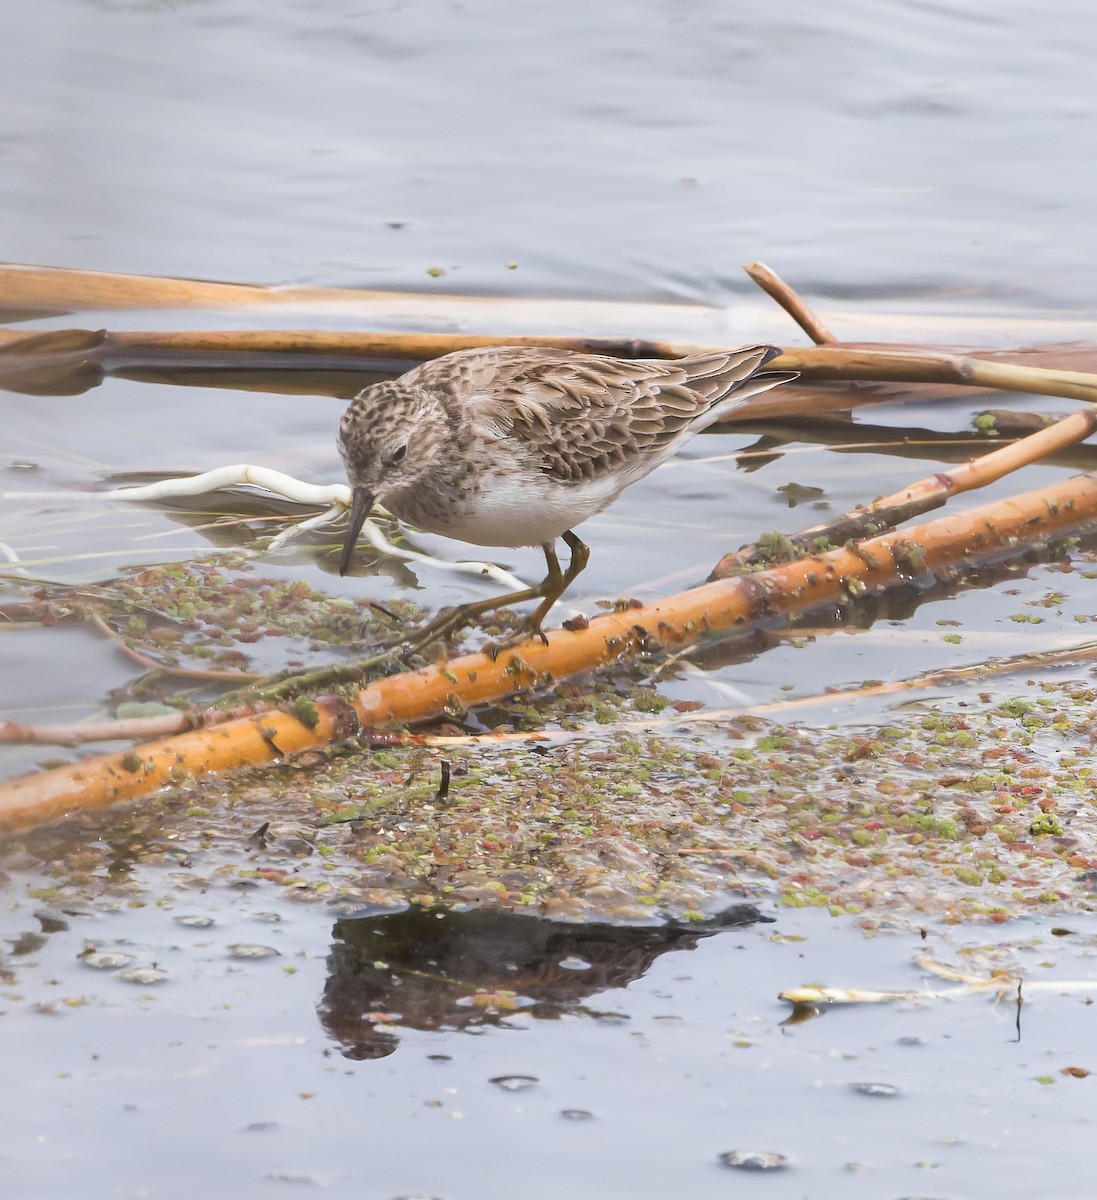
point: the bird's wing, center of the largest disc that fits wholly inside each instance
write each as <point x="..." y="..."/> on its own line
<point x="585" y="415"/>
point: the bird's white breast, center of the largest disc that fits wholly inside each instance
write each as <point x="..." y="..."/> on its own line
<point x="513" y="510"/>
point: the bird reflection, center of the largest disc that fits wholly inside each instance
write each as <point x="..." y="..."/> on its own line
<point x="436" y="970"/>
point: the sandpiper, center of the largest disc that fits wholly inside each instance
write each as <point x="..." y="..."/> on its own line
<point x="514" y="446"/>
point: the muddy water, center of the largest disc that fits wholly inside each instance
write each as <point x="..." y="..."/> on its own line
<point x="906" y="159"/>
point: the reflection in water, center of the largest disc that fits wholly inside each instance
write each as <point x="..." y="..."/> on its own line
<point x="454" y="970"/>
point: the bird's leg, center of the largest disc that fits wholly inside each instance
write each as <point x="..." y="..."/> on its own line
<point x="557" y="582"/>
<point x="446" y="625"/>
<point x="551" y="588"/>
<point x="548" y="591"/>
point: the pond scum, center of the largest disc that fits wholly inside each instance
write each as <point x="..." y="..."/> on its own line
<point x="624" y="811"/>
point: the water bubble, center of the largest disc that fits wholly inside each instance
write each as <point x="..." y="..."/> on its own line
<point x="500" y="1001"/>
<point x="576" y="1114"/>
<point x="143" y="975"/>
<point x="322" y="1179"/>
<point x="875" y="1089"/>
<point x="754" y="1160"/>
<point x="515" y="1083"/>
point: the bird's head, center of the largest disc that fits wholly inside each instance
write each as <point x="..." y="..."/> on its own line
<point x="390" y="437"/>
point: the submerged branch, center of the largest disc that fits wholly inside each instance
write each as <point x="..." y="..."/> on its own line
<point x="848" y="363"/>
<point x="1000" y="985"/>
<point x="926" y="494"/>
<point x="129" y="729"/>
<point x="829" y="363"/>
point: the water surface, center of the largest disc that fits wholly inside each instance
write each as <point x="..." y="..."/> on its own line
<point x="908" y="165"/>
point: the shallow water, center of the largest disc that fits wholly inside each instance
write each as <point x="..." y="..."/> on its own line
<point x="904" y="166"/>
<point x="631" y="150"/>
<point x="632" y="1060"/>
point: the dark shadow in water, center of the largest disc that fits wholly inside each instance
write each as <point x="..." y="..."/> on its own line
<point x="459" y="970"/>
<point x="842" y="435"/>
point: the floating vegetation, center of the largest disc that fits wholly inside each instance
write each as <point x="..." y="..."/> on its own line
<point x="980" y="813"/>
<point x="249" y="950"/>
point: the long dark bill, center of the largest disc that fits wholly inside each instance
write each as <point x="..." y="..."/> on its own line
<point x="361" y="503"/>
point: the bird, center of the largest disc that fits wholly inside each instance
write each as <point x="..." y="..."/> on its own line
<point x="517" y="445"/>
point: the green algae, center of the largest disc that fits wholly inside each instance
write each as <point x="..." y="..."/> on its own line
<point x="306" y="712"/>
<point x="773" y="548"/>
<point x="643" y="818"/>
<point x="626" y="812"/>
<point x="209" y="612"/>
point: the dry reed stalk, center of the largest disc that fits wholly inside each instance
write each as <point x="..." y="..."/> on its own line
<point x="121" y="730"/>
<point x="833" y="362"/>
<point x="832" y="377"/>
<point x="777" y="289"/>
<point x="29" y="291"/>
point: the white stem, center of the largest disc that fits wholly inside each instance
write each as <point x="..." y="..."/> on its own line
<point x="335" y="497"/>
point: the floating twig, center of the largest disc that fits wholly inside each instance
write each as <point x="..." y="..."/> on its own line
<point x="774" y="286"/>
<point x="998" y="984"/>
<point x="128" y="729"/>
<point x="928" y="493"/>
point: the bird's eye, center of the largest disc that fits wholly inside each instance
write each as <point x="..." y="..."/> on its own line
<point x="396" y="455"/>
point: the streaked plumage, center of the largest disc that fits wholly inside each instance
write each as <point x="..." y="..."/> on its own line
<point x="515" y="446"/>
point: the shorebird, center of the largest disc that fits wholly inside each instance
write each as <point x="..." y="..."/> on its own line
<point x="515" y="446"/>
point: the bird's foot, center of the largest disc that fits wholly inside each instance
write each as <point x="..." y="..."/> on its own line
<point x="447" y="624"/>
<point x="525" y="631"/>
<point x="444" y="628"/>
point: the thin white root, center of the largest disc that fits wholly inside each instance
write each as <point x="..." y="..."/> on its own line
<point x="335" y="497"/>
<point x="238" y="475"/>
<point x="383" y="546"/>
<point x="9" y="555"/>
<point x="328" y="517"/>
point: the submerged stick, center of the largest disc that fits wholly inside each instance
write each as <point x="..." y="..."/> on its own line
<point x="832" y="362"/>
<point x="121" y="730"/>
<point x="29" y="291"/>
<point x="740" y="603"/>
<point x="928" y="493"/>
<point x="34" y="290"/>
<point x="846" y="363"/>
<point x="68" y="362"/>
